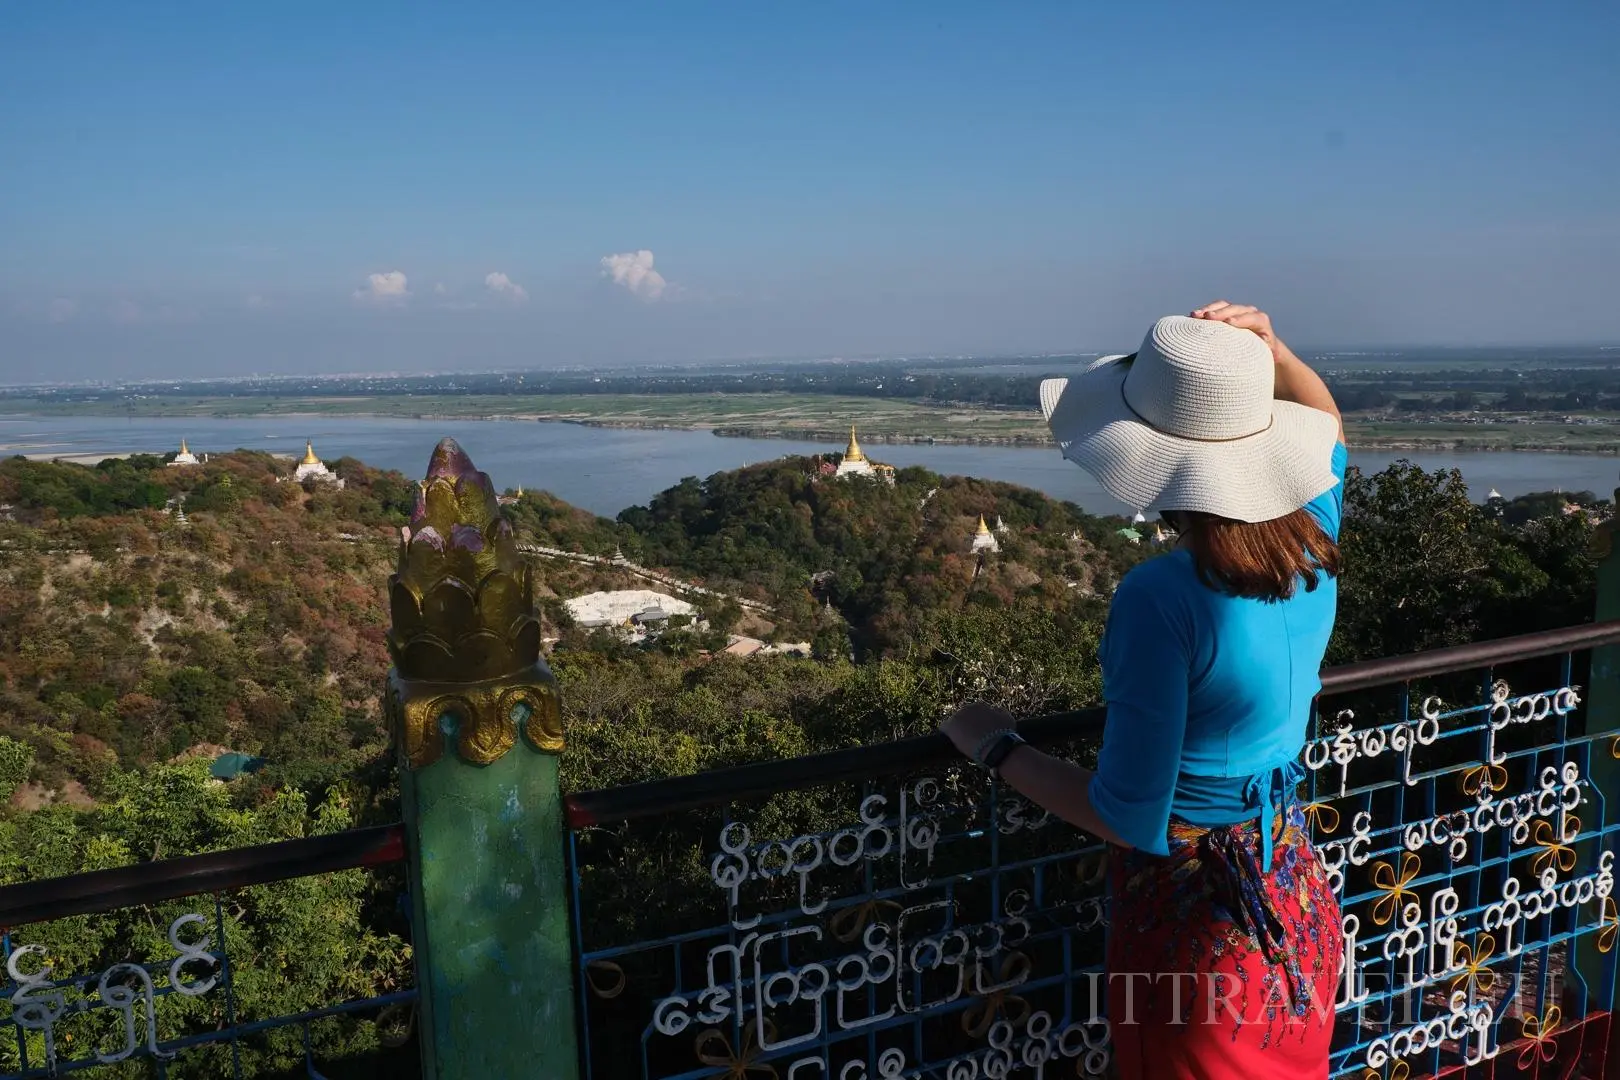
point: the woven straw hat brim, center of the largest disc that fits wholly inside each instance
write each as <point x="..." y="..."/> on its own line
<point x="1256" y="478"/>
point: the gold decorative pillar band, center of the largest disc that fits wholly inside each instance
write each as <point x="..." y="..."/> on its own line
<point x="465" y="638"/>
<point x="482" y="720"/>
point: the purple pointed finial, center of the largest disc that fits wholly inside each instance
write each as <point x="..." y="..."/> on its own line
<point x="450" y="461"/>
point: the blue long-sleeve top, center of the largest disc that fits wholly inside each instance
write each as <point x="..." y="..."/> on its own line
<point x="1208" y="694"/>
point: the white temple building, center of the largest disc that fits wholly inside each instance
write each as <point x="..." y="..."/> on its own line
<point x="185" y="456"/>
<point x="856" y="463"/>
<point x="312" y="468"/>
<point x="625" y="608"/>
<point x="984" y="539"/>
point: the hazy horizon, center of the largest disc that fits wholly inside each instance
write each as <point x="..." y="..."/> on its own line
<point x="1399" y="354"/>
<point x="210" y="191"/>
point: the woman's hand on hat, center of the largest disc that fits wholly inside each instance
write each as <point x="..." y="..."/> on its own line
<point x="1242" y="316"/>
<point x="1296" y="382"/>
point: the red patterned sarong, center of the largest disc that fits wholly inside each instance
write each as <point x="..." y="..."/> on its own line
<point x="1219" y="970"/>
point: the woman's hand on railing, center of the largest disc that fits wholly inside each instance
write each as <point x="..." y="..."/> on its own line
<point x="972" y="724"/>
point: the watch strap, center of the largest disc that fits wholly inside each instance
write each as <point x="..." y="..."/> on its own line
<point x="987" y="743"/>
<point x="998" y="751"/>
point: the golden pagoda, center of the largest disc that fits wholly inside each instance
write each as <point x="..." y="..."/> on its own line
<point x="312" y="468"/>
<point x="983" y="539"/>
<point x="855" y="462"/>
<point x="853" y="451"/>
<point x="185" y="456"/>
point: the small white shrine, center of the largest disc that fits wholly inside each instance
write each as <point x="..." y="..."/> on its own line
<point x="313" y="468"/>
<point x="984" y="539"/>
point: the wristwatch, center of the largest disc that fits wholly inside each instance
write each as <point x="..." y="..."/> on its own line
<point x="999" y="750"/>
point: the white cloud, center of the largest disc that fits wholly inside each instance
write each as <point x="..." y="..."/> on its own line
<point x="389" y="288"/>
<point x="634" y="270"/>
<point x="504" y="287"/>
<point x="62" y="309"/>
<point x="439" y="289"/>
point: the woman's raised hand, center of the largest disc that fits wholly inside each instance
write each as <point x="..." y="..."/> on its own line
<point x="1242" y="316"/>
<point x="1296" y="382"/>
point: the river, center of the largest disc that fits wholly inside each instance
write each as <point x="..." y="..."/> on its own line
<point x="607" y="469"/>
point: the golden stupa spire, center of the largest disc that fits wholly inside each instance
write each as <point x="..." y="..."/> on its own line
<point x="309" y="454"/>
<point x="183" y="448"/>
<point x="984" y="530"/>
<point x="853" y="451"/>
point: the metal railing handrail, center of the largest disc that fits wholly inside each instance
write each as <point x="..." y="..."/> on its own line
<point x="170" y="879"/>
<point x="653" y="797"/>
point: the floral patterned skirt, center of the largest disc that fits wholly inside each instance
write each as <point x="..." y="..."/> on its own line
<point x="1216" y="968"/>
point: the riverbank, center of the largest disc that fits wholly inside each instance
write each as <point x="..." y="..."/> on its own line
<point x="823" y="419"/>
<point x="606" y="469"/>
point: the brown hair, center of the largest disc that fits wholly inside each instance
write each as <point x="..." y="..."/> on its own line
<point x="1265" y="560"/>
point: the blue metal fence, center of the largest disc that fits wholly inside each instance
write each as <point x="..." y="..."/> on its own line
<point x="925" y="923"/>
<point x="165" y="998"/>
<point x="883" y="912"/>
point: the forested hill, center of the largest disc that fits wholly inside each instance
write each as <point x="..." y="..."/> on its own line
<point x="884" y="556"/>
<point x="129" y="637"/>
<point x="147" y="612"/>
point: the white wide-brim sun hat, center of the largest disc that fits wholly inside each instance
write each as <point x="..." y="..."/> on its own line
<point x="1189" y="422"/>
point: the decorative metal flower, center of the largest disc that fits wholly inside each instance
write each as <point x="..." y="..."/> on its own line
<point x="980" y="1017"/>
<point x="1092" y="866"/>
<point x="1475" y="974"/>
<point x="1484" y="778"/>
<point x="1394" y="888"/>
<point x="1323" y="816"/>
<point x="851" y="922"/>
<point x="1540" y="1031"/>
<point x="1555" y="850"/>
<point x="713" y="1048"/>
<point x="605" y="978"/>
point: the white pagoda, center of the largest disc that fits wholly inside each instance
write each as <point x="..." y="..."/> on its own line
<point x="854" y="462"/>
<point x="312" y="468"/>
<point x="984" y="539"/>
<point x="185" y="456"/>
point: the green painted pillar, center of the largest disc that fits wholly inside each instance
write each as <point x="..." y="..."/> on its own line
<point x="477" y="729"/>
<point x="1602" y="715"/>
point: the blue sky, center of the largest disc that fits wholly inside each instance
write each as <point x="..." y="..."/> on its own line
<point x="223" y="188"/>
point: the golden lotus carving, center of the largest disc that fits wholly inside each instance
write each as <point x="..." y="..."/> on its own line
<point x="465" y="638"/>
